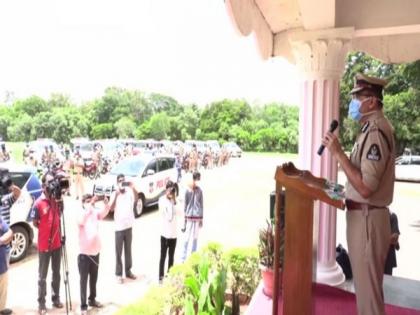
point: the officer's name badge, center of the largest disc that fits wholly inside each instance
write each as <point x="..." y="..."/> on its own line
<point x="374" y="154"/>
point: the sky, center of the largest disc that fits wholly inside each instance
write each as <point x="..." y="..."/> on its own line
<point x="188" y="49"/>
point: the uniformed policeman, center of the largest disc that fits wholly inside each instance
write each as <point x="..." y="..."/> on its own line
<point x="370" y="175"/>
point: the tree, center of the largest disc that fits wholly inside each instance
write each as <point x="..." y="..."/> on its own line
<point x="21" y="128"/>
<point x="103" y="131"/>
<point x="59" y="100"/>
<point x="125" y="128"/>
<point x="159" y="126"/>
<point x="5" y="120"/>
<point x="401" y="100"/>
<point x="31" y="106"/>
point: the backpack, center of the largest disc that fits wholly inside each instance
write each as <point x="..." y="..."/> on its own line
<point x="343" y="260"/>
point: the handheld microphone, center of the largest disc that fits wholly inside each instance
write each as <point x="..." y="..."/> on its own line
<point x="333" y="126"/>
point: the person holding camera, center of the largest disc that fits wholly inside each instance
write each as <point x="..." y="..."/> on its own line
<point x="123" y="201"/>
<point x="90" y="246"/>
<point x="169" y="228"/>
<point x="193" y="211"/>
<point x="6" y="236"/>
<point x="11" y="193"/>
<point x="46" y="217"/>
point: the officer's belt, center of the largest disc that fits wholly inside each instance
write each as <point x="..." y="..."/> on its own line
<point x="354" y="205"/>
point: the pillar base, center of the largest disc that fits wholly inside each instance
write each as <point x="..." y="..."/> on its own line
<point x="331" y="275"/>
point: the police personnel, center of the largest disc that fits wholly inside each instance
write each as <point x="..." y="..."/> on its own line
<point x="370" y="175"/>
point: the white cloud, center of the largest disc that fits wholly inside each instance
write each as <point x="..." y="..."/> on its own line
<point x="185" y="48"/>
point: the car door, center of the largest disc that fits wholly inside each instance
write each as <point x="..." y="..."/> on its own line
<point x="164" y="176"/>
<point x="149" y="178"/>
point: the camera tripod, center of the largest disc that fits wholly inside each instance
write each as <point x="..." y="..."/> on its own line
<point x="64" y="261"/>
<point x="63" y="250"/>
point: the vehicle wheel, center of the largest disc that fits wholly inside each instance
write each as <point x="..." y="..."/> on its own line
<point x="20" y="244"/>
<point x="139" y="206"/>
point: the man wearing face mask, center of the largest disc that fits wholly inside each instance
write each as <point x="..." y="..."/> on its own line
<point x="90" y="246"/>
<point x="370" y="175"/>
<point x="123" y="201"/>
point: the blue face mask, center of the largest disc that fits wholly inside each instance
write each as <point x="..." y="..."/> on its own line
<point x="354" y="109"/>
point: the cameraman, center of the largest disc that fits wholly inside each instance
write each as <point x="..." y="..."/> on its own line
<point x="10" y="193"/>
<point x="46" y="217"/>
<point x="6" y="236"/>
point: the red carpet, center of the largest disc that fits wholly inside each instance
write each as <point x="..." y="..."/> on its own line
<point x="329" y="300"/>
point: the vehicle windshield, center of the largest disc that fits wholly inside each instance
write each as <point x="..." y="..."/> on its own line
<point x="128" y="167"/>
<point x="87" y="146"/>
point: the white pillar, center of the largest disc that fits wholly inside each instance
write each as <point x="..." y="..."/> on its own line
<point x="321" y="63"/>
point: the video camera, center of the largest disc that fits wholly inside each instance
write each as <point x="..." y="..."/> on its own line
<point x="58" y="185"/>
<point x="5" y="181"/>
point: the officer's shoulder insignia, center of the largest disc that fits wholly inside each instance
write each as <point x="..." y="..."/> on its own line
<point x="365" y="127"/>
<point x="374" y="153"/>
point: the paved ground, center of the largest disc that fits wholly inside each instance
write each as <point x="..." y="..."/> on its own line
<point x="236" y="201"/>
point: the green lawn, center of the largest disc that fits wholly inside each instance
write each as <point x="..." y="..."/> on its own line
<point x="16" y="149"/>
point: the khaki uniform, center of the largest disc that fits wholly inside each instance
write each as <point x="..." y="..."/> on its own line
<point x="78" y="177"/>
<point x="368" y="230"/>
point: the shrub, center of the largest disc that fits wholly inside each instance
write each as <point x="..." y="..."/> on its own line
<point x="244" y="274"/>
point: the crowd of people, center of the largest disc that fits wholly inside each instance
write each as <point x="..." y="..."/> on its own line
<point x="47" y="215"/>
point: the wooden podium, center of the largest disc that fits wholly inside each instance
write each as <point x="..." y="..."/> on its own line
<point x="301" y="190"/>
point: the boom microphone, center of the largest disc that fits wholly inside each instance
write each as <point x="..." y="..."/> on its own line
<point x="333" y="126"/>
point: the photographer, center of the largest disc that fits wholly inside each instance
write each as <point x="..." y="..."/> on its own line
<point x="46" y="217"/>
<point x="6" y="236"/>
<point x="9" y="194"/>
<point x="90" y="246"/>
<point x="169" y="228"/>
<point x="123" y="201"/>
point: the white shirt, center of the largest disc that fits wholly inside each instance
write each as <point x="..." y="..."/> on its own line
<point x="124" y="210"/>
<point x="168" y="213"/>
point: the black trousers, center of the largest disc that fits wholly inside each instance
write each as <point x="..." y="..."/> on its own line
<point x="166" y="245"/>
<point x="44" y="261"/>
<point x="123" y="239"/>
<point x="88" y="268"/>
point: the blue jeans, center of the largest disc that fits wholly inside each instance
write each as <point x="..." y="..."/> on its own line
<point x="190" y="234"/>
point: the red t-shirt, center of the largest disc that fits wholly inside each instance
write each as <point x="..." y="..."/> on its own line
<point x="47" y="214"/>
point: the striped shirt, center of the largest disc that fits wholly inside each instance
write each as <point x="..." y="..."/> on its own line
<point x="6" y="203"/>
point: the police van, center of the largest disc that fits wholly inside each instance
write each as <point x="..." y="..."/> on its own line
<point x="27" y="180"/>
<point x="149" y="175"/>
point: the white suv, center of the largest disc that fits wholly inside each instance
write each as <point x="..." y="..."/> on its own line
<point x="148" y="173"/>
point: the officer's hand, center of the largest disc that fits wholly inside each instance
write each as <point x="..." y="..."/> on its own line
<point x="331" y="142"/>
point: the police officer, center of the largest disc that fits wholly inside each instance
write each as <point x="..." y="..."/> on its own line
<point x="370" y="175"/>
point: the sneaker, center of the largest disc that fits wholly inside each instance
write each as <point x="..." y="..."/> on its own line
<point x="131" y="276"/>
<point x="6" y="311"/>
<point x="57" y="304"/>
<point x="42" y="310"/>
<point x="83" y="312"/>
<point x="120" y="280"/>
<point x="95" y="303"/>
